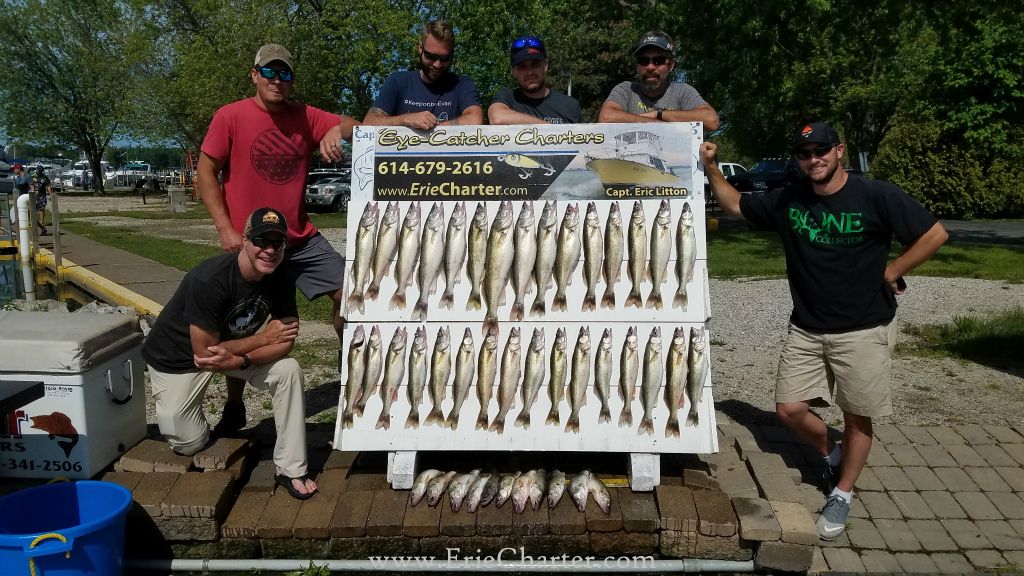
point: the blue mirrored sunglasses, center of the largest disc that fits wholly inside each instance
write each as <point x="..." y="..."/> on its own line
<point x="524" y="41"/>
<point x="271" y="73"/>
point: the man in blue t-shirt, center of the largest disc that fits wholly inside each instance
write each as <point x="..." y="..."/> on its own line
<point x="432" y="95"/>
<point x="533" y="102"/>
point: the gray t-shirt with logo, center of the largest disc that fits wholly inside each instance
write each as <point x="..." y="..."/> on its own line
<point x="678" y="96"/>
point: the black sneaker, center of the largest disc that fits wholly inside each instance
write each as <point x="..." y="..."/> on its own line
<point x="232" y="420"/>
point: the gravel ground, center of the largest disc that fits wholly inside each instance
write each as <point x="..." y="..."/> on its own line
<point x="748" y="327"/>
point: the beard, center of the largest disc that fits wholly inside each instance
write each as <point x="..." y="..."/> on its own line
<point x="430" y="73"/>
<point x="830" y="171"/>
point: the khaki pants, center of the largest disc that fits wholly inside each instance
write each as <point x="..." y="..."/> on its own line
<point x="179" y="409"/>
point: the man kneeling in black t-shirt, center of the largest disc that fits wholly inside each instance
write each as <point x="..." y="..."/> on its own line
<point x="212" y="325"/>
<point x="533" y="102"/>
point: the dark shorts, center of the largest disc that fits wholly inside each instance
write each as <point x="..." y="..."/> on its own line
<point x="316" y="267"/>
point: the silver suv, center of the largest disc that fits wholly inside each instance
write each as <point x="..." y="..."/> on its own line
<point x="332" y="193"/>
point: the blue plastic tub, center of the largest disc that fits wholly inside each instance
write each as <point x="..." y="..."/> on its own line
<point x="66" y="529"/>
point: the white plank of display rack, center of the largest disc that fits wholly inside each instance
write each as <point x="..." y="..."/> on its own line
<point x="593" y="436"/>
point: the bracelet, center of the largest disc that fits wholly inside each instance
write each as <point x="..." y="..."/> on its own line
<point x="245" y="362"/>
<point x="659" y="116"/>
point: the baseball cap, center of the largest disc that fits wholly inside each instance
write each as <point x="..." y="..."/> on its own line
<point x="270" y="52"/>
<point x="264" y="220"/>
<point x="527" y="48"/>
<point x="815" y="133"/>
<point x="656" y="39"/>
<point x="17" y="166"/>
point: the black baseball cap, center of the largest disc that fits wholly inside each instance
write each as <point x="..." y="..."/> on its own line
<point x="815" y="133"/>
<point x="264" y="220"/>
<point x="527" y="48"/>
<point x="655" y="39"/>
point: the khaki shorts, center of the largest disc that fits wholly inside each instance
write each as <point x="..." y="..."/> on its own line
<point x="849" y="369"/>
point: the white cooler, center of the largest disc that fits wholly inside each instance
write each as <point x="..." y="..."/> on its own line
<point x="94" y="407"/>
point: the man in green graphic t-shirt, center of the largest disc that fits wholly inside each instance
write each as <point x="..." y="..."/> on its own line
<point x="836" y="231"/>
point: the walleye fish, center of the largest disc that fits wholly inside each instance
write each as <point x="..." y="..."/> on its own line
<point x="637" y="240"/>
<point x="686" y="256"/>
<point x="454" y="253"/>
<point x="579" y="379"/>
<point x="603" y="374"/>
<point x="490" y="491"/>
<point x="661" y="248"/>
<point x="459" y="488"/>
<point x="419" y="488"/>
<point x="698" y="364"/>
<point x="417" y="376"/>
<point x="556" y="382"/>
<point x="652" y="381"/>
<point x="600" y="493"/>
<point x="567" y="256"/>
<point x="629" y="367"/>
<point x="523" y="260"/>
<point x="593" y="255"/>
<point x="476" y="492"/>
<point x="437" y="487"/>
<point x="675" y="381"/>
<point x="505" y="487"/>
<point x="538" y="488"/>
<point x="387" y="244"/>
<point x="613" y="246"/>
<point x="556" y="487"/>
<point x="374" y="364"/>
<point x="463" y="377"/>
<point x="365" y="237"/>
<point x="394" y="372"/>
<point x="579" y="490"/>
<point x="477" y="247"/>
<point x="500" y="251"/>
<point x="440" y="371"/>
<point x="521" y="491"/>
<point x="508" y="380"/>
<point x="356" y="367"/>
<point x="486" y="368"/>
<point x="431" y="255"/>
<point x="547" y="246"/>
<point x="533" y="375"/>
<point x="408" y="254"/>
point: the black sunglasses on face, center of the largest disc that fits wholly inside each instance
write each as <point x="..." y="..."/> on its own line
<point x="265" y="243"/>
<point x="524" y="41"/>
<point x="645" y="60"/>
<point x="818" y="151"/>
<point x="442" y="58"/>
<point x="271" y="73"/>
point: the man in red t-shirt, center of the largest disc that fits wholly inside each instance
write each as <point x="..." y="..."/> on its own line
<point x="262" y="146"/>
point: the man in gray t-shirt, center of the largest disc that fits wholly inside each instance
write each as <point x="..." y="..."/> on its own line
<point x="653" y="97"/>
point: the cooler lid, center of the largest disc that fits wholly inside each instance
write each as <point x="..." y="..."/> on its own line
<point x="55" y="343"/>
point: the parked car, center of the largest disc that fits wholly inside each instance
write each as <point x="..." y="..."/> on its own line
<point x="767" y="174"/>
<point x="728" y="169"/>
<point x="322" y="173"/>
<point x="332" y="193"/>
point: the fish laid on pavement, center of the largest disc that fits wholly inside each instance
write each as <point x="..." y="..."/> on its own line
<point x="629" y="367"/>
<point x="686" y="256"/>
<point x="490" y="491"/>
<point x="436" y="488"/>
<point x="652" y="376"/>
<point x="498" y="266"/>
<point x="374" y="365"/>
<point x="454" y="253"/>
<point x="387" y="244"/>
<point x="533" y="375"/>
<point x="637" y="245"/>
<point x="567" y="254"/>
<point x="547" y="247"/>
<point x="431" y="255"/>
<point x="459" y="487"/>
<point x="505" y="487"/>
<point x="419" y="487"/>
<point x="698" y="364"/>
<point x="521" y="491"/>
<point x="394" y="372"/>
<point x="486" y="368"/>
<point x="593" y="255"/>
<point x="366" y="236"/>
<point x="477" y="255"/>
<point x="508" y="380"/>
<point x="523" y="260"/>
<point x="356" y="367"/>
<point x="579" y="379"/>
<point x="408" y="255"/>
<point x="440" y="372"/>
<point x="675" y="379"/>
<point x="538" y="488"/>
<point x="463" y="377"/>
<point x="603" y="374"/>
<point x="556" y="383"/>
<point x="556" y="487"/>
<point x="600" y="493"/>
<point x="661" y="249"/>
<point x="417" y="376"/>
<point x="614" y="244"/>
<point x="476" y="492"/>
<point x="579" y="490"/>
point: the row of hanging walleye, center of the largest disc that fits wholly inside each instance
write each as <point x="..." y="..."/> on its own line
<point x="476" y="489"/>
<point x="683" y="372"/>
<point x="529" y="255"/>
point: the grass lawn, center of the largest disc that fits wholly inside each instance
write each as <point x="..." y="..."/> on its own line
<point x="994" y="340"/>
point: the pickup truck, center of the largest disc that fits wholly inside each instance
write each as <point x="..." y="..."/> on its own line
<point x="767" y="174"/>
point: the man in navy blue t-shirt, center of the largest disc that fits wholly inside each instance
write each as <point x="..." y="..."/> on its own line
<point x="432" y="95"/>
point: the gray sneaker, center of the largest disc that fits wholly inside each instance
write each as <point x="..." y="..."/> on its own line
<point x="832" y="521"/>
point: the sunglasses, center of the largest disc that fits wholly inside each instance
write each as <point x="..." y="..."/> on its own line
<point x="442" y="58"/>
<point x="818" y="151"/>
<point x="264" y="243"/>
<point x="527" y="41"/>
<point x="645" y="60"/>
<point x="271" y="73"/>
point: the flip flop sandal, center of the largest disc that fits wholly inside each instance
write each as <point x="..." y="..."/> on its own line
<point x="286" y="483"/>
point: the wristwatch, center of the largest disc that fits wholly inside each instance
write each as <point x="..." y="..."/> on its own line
<point x="245" y="362"/>
<point x="659" y="116"/>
